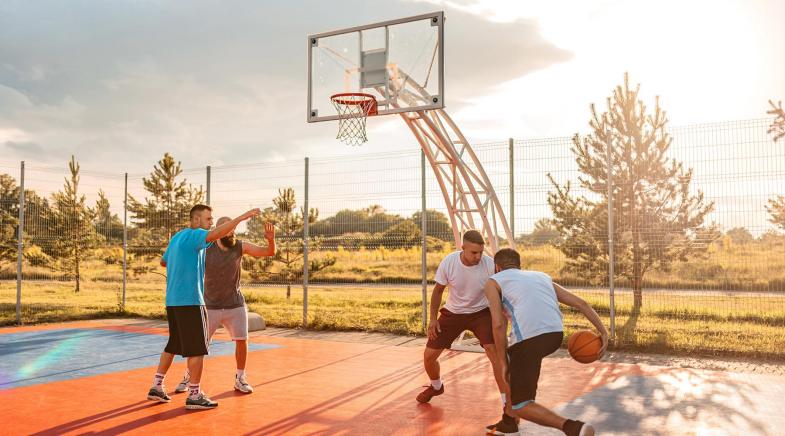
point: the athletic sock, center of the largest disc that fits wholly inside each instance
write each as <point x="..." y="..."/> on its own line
<point x="193" y="391"/>
<point x="187" y="374"/>
<point x="436" y="384"/>
<point x="504" y="398"/>
<point x="158" y="380"/>
<point x="240" y="373"/>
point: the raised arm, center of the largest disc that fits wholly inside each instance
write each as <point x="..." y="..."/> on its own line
<point x="257" y="251"/>
<point x="566" y="297"/>
<point x="227" y="227"/>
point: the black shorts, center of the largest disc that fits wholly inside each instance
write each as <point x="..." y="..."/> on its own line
<point x="187" y="330"/>
<point x="453" y="324"/>
<point x="525" y="361"/>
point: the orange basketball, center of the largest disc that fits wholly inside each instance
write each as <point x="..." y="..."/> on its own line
<point x="584" y="346"/>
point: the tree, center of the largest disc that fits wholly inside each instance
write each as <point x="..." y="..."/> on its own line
<point x="777" y="127"/>
<point x="164" y="211"/>
<point x="74" y="224"/>
<point x="544" y="232"/>
<point x="372" y="219"/>
<point x="776" y="206"/>
<point x="776" y="209"/>
<point x="107" y="224"/>
<point x="657" y="220"/>
<point x="437" y="224"/>
<point x="404" y="234"/>
<point x="740" y="235"/>
<point x="9" y="217"/>
<point x="289" y="223"/>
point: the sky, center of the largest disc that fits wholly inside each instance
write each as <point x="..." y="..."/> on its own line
<point x="118" y="83"/>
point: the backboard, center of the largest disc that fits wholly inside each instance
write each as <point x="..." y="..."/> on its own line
<point x="400" y="62"/>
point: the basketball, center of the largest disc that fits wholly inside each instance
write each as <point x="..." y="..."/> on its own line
<point x="584" y="346"/>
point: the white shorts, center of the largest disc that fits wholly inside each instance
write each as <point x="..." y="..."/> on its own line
<point x="235" y="321"/>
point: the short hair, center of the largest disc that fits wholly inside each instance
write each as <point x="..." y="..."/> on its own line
<point x="507" y="258"/>
<point x="223" y="219"/>
<point x="474" y="237"/>
<point x="198" y="208"/>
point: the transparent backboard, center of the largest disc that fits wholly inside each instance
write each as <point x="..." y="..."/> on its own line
<point x="400" y="62"/>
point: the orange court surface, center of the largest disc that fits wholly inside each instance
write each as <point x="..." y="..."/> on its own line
<point x="91" y="377"/>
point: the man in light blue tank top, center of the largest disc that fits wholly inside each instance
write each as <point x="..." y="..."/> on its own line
<point x="531" y="301"/>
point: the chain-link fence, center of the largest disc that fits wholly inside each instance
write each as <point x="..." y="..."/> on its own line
<point x="697" y="249"/>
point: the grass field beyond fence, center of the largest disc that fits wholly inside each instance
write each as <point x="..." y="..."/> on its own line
<point x="673" y="322"/>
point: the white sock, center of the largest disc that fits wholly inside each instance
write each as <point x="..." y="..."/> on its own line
<point x="158" y="380"/>
<point x="187" y="374"/>
<point x="437" y="384"/>
<point x="240" y="373"/>
<point x="193" y="390"/>
<point x="504" y="398"/>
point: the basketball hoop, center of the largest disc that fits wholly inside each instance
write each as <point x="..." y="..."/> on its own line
<point x="353" y="109"/>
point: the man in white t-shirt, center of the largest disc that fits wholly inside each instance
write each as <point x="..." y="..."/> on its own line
<point x="530" y="300"/>
<point x="464" y="273"/>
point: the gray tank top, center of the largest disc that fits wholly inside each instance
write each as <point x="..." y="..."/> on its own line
<point x="222" y="277"/>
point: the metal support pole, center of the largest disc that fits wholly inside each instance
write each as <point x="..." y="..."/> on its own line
<point x="611" y="251"/>
<point x="208" y="185"/>
<point x="125" y="239"/>
<point x="424" y="233"/>
<point x="307" y="214"/>
<point x="512" y="188"/>
<point x="20" y="244"/>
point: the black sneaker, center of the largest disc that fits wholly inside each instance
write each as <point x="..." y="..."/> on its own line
<point x="202" y="402"/>
<point x="158" y="395"/>
<point x="505" y="426"/>
<point x="578" y="428"/>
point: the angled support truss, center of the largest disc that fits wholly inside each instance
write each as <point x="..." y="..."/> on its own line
<point x="468" y="194"/>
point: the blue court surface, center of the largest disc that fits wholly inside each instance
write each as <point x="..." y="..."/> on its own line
<point x="45" y="356"/>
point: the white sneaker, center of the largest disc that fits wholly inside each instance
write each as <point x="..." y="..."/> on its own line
<point x="183" y="386"/>
<point x="241" y="384"/>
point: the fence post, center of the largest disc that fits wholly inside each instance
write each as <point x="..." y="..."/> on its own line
<point x="512" y="188"/>
<point x="611" y="250"/>
<point x="19" y="243"/>
<point x="424" y="233"/>
<point x="208" y="185"/>
<point x="125" y="238"/>
<point x="307" y="214"/>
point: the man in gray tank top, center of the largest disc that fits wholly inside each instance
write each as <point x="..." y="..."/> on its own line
<point x="225" y="303"/>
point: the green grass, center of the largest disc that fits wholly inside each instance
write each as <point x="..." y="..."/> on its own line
<point x="674" y="323"/>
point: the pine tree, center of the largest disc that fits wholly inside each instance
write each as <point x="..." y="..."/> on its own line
<point x="73" y="221"/>
<point x="9" y="217"/>
<point x="657" y="220"/>
<point x="107" y="224"/>
<point x="164" y="211"/>
<point x="776" y="206"/>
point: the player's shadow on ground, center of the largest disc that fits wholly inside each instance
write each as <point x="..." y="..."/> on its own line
<point x="655" y="403"/>
<point x="377" y="416"/>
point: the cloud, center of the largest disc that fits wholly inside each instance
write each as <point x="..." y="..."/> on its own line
<point x="119" y="83"/>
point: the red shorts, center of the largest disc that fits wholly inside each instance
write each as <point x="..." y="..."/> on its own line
<point x="453" y="324"/>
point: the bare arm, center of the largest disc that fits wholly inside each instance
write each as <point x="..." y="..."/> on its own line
<point x="226" y="228"/>
<point x="257" y="251"/>
<point x="436" y="301"/>
<point x="498" y="321"/>
<point x="566" y="297"/>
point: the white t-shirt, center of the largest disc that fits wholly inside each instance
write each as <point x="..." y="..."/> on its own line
<point x="530" y="301"/>
<point x="466" y="283"/>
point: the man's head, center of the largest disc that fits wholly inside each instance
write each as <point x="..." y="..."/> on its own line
<point x="473" y="246"/>
<point x="201" y="217"/>
<point x="507" y="258"/>
<point x="229" y="240"/>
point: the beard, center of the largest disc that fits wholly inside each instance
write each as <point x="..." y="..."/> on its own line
<point x="228" y="241"/>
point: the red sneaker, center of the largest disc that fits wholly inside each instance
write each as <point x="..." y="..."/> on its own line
<point x="428" y="393"/>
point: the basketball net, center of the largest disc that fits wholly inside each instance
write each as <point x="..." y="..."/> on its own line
<point x="353" y="109"/>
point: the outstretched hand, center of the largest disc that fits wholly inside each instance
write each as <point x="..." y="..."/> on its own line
<point x="269" y="231"/>
<point x="251" y="213"/>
